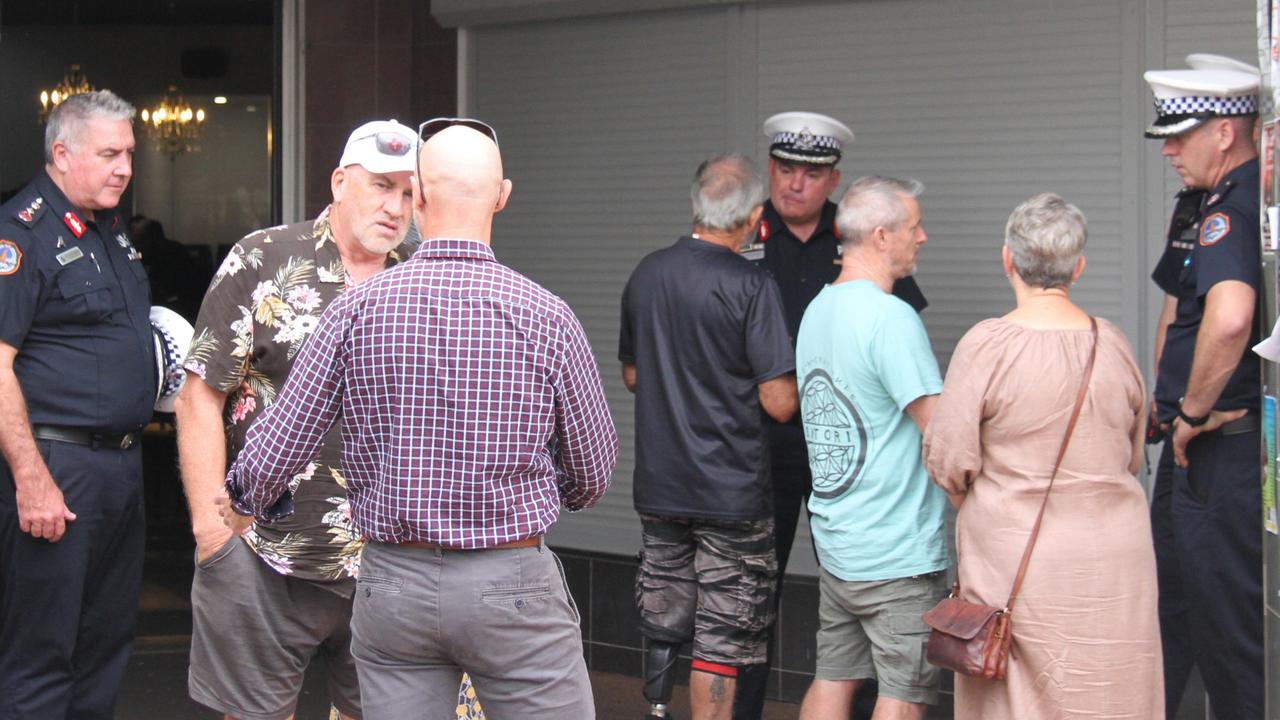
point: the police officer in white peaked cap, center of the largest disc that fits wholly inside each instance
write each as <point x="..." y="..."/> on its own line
<point x="1205" y="510"/>
<point x="798" y="243"/>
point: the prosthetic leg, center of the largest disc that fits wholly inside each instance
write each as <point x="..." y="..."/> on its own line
<point x="659" y="677"/>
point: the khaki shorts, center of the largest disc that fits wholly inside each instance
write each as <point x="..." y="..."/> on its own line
<point x="254" y="631"/>
<point x="709" y="581"/>
<point x="874" y="630"/>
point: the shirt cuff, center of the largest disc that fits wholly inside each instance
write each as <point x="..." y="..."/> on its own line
<point x="278" y="510"/>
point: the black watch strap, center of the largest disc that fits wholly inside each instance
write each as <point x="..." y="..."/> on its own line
<point x="1192" y="421"/>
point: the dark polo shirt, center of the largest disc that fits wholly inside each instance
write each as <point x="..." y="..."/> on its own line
<point x="704" y="327"/>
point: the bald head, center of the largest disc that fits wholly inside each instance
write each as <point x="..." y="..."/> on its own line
<point x="461" y="172"/>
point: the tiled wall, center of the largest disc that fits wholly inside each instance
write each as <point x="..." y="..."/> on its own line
<point x="603" y="586"/>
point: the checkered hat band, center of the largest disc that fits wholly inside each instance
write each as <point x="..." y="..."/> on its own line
<point x="1239" y="105"/>
<point x="817" y="141"/>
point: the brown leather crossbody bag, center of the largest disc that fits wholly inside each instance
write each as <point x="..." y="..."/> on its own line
<point x="974" y="639"/>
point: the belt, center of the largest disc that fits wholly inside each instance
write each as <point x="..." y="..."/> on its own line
<point x="533" y="541"/>
<point x="1247" y="424"/>
<point x="80" y="436"/>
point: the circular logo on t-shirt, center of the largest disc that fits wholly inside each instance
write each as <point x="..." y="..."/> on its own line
<point x="835" y="435"/>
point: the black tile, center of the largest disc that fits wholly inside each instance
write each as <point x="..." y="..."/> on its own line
<point x="798" y="627"/>
<point x="614" y="619"/>
<point x="613" y="659"/>
<point x="944" y="710"/>
<point x="577" y="571"/>
<point x="164" y="623"/>
<point x="773" y="688"/>
<point x="793" y="686"/>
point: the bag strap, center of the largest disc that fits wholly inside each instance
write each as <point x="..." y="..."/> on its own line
<point x="1062" y="451"/>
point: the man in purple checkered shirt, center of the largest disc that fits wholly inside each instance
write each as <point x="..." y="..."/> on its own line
<point x="471" y="411"/>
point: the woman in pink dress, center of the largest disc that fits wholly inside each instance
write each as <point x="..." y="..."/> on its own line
<point x="1086" y="639"/>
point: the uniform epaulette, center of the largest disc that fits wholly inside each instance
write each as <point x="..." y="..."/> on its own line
<point x="32" y="212"/>
<point x="1220" y="193"/>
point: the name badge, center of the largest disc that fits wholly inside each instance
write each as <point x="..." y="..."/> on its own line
<point x="69" y="256"/>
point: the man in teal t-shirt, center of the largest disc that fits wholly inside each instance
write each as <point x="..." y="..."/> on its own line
<point x="869" y="382"/>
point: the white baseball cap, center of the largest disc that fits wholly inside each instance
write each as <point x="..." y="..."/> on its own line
<point x="381" y="146"/>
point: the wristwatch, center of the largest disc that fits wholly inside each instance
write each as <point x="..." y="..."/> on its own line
<point x="1192" y="421"/>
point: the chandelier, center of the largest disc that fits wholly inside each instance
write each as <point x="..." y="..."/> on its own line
<point x="73" y="82"/>
<point x="174" y="124"/>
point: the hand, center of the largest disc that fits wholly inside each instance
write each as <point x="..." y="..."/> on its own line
<point x="956" y="488"/>
<point x="237" y="523"/>
<point x="1183" y="433"/>
<point x="42" y="512"/>
<point x="209" y="541"/>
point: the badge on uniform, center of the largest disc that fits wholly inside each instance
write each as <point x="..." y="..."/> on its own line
<point x="123" y="241"/>
<point x="28" y="213"/>
<point x="10" y="257"/>
<point x="68" y="256"/>
<point x="763" y="232"/>
<point x="1214" y="228"/>
<point x="74" y="222"/>
<point x="753" y="252"/>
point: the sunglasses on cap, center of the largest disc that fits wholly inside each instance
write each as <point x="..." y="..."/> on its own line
<point x="434" y="126"/>
<point x="390" y="142"/>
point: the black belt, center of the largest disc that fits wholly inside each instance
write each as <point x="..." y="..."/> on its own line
<point x="1247" y="424"/>
<point x="80" y="436"/>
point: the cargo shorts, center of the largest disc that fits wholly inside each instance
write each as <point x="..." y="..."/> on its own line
<point x="709" y="581"/>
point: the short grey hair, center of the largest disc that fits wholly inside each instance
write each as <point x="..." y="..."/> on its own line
<point x="68" y="118"/>
<point x="872" y="202"/>
<point x="1045" y="236"/>
<point x="725" y="190"/>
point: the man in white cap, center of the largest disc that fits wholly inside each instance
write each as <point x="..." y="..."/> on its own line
<point x="799" y="245"/>
<point x="1206" y="513"/>
<point x="264" y="604"/>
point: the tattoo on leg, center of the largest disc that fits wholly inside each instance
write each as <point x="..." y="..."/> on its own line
<point x="717" y="689"/>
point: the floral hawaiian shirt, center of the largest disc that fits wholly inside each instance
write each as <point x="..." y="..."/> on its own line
<point x="263" y="302"/>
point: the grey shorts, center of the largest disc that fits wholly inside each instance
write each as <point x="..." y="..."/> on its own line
<point x="254" y="632"/>
<point x="709" y="581"/>
<point x="874" y="630"/>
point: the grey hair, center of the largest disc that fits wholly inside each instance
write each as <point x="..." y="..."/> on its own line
<point x="1045" y="236"/>
<point x="726" y="188"/>
<point x="872" y="202"/>
<point x="67" y="119"/>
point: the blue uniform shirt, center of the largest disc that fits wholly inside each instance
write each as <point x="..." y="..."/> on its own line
<point x="1227" y="249"/>
<point x="77" y="310"/>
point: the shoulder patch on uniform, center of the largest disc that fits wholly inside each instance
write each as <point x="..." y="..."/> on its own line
<point x="28" y="214"/>
<point x="10" y="257"/>
<point x="1214" y="228"/>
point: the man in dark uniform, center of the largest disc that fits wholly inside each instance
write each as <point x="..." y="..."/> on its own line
<point x="798" y="244"/>
<point x="1182" y="235"/>
<point x="77" y="383"/>
<point x="1207" y="507"/>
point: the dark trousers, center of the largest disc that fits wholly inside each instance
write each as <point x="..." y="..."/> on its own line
<point x="68" y="609"/>
<point x="1207" y="525"/>
<point x="791" y="485"/>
